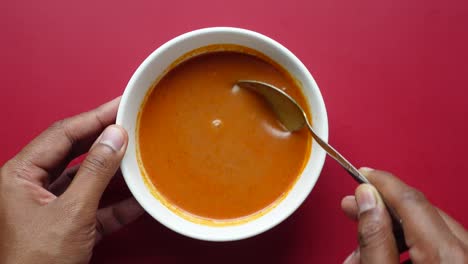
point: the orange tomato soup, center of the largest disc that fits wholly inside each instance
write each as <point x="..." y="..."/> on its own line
<point x="213" y="151"/>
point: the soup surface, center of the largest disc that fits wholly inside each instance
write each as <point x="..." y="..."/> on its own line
<point x="212" y="150"/>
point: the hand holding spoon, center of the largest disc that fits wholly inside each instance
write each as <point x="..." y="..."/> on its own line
<point x="293" y="118"/>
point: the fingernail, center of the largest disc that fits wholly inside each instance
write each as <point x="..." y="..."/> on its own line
<point x="113" y="137"/>
<point x="365" y="198"/>
<point x="366" y="169"/>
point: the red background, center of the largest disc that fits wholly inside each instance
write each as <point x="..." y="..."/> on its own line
<point x="393" y="73"/>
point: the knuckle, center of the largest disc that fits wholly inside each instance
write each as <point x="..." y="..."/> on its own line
<point x="97" y="163"/>
<point x="372" y="232"/>
<point x="17" y="168"/>
<point x="61" y="127"/>
<point x="412" y="195"/>
<point x="58" y="125"/>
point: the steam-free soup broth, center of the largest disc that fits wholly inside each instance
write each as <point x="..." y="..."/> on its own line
<point x="211" y="150"/>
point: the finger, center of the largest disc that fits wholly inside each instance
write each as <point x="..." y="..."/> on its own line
<point x="114" y="217"/>
<point x="51" y="150"/>
<point x="420" y="220"/>
<point x="59" y="186"/>
<point x="97" y="169"/>
<point x="457" y="229"/>
<point x="61" y="183"/>
<point x="376" y="241"/>
<point x="350" y="207"/>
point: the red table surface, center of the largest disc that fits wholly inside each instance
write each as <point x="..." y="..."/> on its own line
<point x="393" y="74"/>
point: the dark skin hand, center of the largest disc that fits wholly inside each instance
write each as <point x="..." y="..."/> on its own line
<point x="51" y="215"/>
<point x="431" y="235"/>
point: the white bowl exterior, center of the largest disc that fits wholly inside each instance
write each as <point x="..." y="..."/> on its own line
<point x="144" y="78"/>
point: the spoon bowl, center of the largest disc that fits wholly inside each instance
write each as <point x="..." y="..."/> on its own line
<point x="293" y="118"/>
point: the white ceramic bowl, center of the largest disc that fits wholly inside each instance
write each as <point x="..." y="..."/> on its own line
<point x="154" y="66"/>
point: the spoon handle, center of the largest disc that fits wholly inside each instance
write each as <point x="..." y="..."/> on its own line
<point x="396" y="220"/>
<point x="339" y="158"/>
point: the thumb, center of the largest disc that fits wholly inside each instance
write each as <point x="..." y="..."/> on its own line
<point x="376" y="241"/>
<point x="98" y="168"/>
